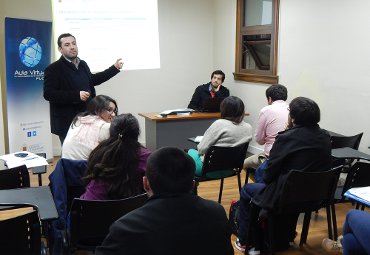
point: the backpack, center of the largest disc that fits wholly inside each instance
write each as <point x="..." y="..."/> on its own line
<point x="233" y="216"/>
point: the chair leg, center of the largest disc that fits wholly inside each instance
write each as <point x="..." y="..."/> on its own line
<point x="40" y="179"/>
<point x="335" y="230"/>
<point x="246" y="176"/>
<point x="328" y="217"/>
<point x="220" y="193"/>
<point x="239" y="183"/>
<point x="306" y="225"/>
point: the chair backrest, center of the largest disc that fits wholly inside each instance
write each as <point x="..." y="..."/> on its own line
<point x="221" y="159"/>
<point x="21" y="234"/>
<point x="308" y="191"/>
<point x="346" y="141"/>
<point x="358" y="176"/>
<point x="17" y="177"/>
<point x="91" y="219"/>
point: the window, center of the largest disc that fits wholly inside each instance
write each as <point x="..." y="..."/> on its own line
<point x="256" y="41"/>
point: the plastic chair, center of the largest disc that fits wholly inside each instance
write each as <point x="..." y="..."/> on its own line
<point x="21" y="234"/>
<point x="358" y="176"/>
<point x="223" y="162"/>
<point x="303" y="192"/>
<point x="345" y="141"/>
<point x="90" y="219"/>
<point x="17" y="177"/>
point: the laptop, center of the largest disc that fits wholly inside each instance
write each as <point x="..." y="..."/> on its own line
<point x="212" y="104"/>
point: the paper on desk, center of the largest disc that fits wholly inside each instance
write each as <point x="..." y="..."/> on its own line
<point x="198" y="138"/>
<point x="363" y="193"/>
<point x="31" y="160"/>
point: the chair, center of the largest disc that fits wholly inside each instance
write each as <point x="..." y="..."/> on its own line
<point x="39" y="170"/>
<point x="91" y="219"/>
<point x="17" y="177"/>
<point x="358" y="176"/>
<point x="21" y="234"/>
<point x="65" y="184"/>
<point x="223" y="162"/>
<point x="345" y="141"/>
<point x="304" y="192"/>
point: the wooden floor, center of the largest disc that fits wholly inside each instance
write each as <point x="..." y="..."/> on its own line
<point x="209" y="190"/>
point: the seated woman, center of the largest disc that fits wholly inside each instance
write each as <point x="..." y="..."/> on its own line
<point x="229" y="131"/>
<point x="89" y="128"/>
<point x="303" y="146"/>
<point x="116" y="166"/>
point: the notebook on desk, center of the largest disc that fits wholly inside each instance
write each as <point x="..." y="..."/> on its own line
<point x="212" y="104"/>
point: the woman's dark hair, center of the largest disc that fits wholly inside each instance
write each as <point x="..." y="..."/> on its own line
<point x="96" y="106"/>
<point x="304" y="111"/>
<point x="232" y="108"/>
<point x="116" y="159"/>
<point x="277" y="92"/>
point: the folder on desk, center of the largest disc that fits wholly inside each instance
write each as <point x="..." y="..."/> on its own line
<point x="361" y="194"/>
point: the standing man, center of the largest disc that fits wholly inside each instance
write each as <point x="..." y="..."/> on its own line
<point x="173" y="220"/>
<point x="272" y="119"/>
<point x="213" y="88"/>
<point x="69" y="85"/>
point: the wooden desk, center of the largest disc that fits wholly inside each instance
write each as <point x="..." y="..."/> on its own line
<point x="174" y="130"/>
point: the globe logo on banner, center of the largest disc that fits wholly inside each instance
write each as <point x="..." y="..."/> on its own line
<point x="30" y="51"/>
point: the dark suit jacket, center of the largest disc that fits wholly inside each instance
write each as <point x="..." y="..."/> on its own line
<point x="180" y="224"/>
<point x="202" y="92"/>
<point x="64" y="95"/>
<point x="299" y="148"/>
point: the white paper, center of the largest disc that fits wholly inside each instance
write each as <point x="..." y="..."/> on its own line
<point x="363" y="192"/>
<point x="198" y="138"/>
<point x="31" y="160"/>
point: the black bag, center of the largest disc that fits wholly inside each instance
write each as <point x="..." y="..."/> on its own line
<point x="233" y="216"/>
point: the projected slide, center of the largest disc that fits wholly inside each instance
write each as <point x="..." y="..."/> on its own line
<point x="109" y="29"/>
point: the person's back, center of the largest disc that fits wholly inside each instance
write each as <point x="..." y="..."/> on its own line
<point x="272" y="119"/>
<point x="81" y="139"/>
<point x="176" y="224"/>
<point x="173" y="220"/>
<point x="89" y="128"/>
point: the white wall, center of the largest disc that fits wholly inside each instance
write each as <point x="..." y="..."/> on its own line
<point x="186" y="51"/>
<point x="323" y="54"/>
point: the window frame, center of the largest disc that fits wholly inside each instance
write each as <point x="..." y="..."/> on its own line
<point x="260" y="76"/>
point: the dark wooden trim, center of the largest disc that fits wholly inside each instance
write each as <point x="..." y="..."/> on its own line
<point x="268" y="79"/>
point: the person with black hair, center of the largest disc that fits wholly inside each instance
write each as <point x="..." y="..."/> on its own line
<point x="69" y="85"/>
<point x="303" y="146"/>
<point x="89" y="128"/>
<point x="214" y="88"/>
<point x="116" y="166"/>
<point x="272" y="119"/>
<point x="229" y="131"/>
<point x="173" y="220"/>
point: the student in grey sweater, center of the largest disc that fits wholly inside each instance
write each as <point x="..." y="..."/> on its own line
<point x="230" y="131"/>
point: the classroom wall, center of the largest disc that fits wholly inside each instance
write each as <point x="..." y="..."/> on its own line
<point x="186" y="51"/>
<point x="322" y="55"/>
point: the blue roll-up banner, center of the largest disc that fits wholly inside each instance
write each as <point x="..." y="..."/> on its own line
<point x="27" y="53"/>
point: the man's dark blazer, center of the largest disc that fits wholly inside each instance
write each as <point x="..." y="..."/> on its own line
<point x="202" y="92"/>
<point x="181" y="224"/>
<point x="64" y="95"/>
<point x="299" y="148"/>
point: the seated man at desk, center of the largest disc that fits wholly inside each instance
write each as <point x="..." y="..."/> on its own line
<point x="213" y="88"/>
